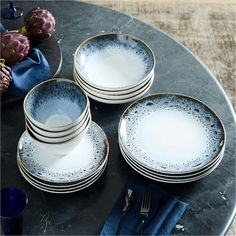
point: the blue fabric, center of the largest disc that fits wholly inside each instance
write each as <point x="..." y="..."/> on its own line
<point x="28" y="73"/>
<point x="2" y="29"/>
<point x="166" y="210"/>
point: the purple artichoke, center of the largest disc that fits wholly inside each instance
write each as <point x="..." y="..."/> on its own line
<point x="39" y="24"/>
<point x="14" y="47"/>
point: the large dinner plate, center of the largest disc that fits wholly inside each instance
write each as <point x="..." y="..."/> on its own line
<point x="171" y="133"/>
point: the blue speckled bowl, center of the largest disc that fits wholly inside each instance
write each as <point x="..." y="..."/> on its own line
<point x="55" y="105"/>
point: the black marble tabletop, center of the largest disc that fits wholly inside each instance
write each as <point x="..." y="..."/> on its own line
<point x="211" y="200"/>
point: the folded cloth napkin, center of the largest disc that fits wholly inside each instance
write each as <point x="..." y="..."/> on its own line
<point x="166" y="210"/>
<point x="29" y="72"/>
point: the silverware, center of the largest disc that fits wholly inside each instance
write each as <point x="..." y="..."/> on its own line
<point x="144" y="212"/>
<point x="128" y="200"/>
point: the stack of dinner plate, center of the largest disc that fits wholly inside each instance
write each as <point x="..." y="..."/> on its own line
<point x="171" y="138"/>
<point x="61" y="150"/>
<point x="114" y="68"/>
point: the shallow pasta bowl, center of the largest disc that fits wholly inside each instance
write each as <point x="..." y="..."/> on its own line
<point x="114" y="61"/>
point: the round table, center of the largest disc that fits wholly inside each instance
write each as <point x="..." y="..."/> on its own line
<point x="211" y="200"/>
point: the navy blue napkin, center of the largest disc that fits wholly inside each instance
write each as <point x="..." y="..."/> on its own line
<point x="29" y="72"/>
<point x="166" y="211"/>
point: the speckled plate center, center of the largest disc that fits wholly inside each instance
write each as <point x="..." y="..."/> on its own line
<point x="171" y="133"/>
<point x="83" y="161"/>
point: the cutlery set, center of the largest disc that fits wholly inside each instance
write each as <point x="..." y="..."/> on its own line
<point x="145" y="208"/>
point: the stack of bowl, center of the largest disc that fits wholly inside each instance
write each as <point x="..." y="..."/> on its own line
<point x="61" y="150"/>
<point x="57" y="113"/>
<point x="114" y="68"/>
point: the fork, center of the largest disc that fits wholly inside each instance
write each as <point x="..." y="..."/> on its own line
<point x="144" y="211"/>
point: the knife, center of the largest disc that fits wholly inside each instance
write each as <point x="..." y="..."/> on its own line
<point x="128" y="200"/>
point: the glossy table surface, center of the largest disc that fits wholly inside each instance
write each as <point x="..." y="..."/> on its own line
<point x="211" y="200"/>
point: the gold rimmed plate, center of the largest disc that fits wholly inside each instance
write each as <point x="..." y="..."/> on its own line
<point x="171" y="133"/>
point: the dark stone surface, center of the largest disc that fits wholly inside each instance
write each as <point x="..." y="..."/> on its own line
<point x="211" y="200"/>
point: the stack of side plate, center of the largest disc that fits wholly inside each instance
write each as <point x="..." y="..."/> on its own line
<point x="171" y="138"/>
<point x="114" y="68"/>
<point x="72" y="172"/>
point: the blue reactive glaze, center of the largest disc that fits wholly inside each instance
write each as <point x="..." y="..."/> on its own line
<point x="53" y="97"/>
<point x="101" y="42"/>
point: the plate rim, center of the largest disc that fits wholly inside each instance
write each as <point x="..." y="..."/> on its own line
<point x="116" y="92"/>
